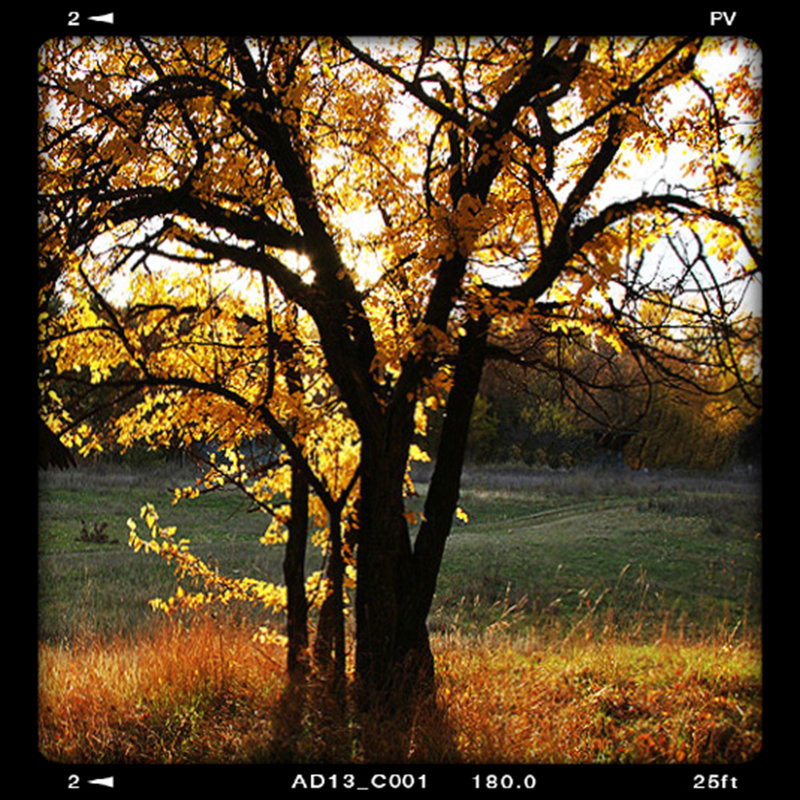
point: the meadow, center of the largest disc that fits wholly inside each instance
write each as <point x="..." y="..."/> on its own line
<point x="581" y="616"/>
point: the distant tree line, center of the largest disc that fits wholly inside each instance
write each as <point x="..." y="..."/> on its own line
<point x="528" y="413"/>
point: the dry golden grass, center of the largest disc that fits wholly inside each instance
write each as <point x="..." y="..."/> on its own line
<point x="511" y="700"/>
<point x="207" y="693"/>
<point x="176" y="694"/>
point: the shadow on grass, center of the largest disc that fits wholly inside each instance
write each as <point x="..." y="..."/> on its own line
<point x="313" y="723"/>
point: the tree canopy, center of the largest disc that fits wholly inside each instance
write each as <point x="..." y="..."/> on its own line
<point x="312" y="244"/>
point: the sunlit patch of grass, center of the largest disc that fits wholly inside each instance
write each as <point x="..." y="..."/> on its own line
<point x="178" y="693"/>
<point x="516" y="699"/>
<point x="207" y="693"/>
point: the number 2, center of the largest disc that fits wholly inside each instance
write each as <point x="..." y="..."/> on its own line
<point x="73" y="18"/>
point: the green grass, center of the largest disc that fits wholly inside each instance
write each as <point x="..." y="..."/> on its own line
<point x="541" y="548"/>
<point x="630" y="552"/>
<point x="104" y="587"/>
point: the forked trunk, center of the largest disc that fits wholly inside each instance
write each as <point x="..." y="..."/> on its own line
<point x="394" y="662"/>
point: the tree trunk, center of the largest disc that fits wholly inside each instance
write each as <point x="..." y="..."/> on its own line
<point x="294" y="575"/>
<point x="443" y="491"/>
<point x="384" y="573"/>
<point x="330" y="630"/>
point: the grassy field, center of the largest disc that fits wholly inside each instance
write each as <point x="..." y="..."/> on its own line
<point x="581" y="616"/>
<point x="630" y="550"/>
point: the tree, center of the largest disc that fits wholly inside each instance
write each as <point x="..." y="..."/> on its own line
<point x="322" y="240"/>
